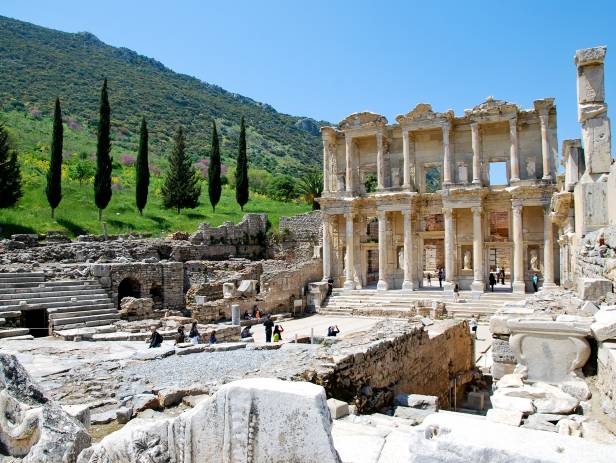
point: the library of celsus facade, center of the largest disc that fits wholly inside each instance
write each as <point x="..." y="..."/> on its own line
<point x="403" y="200"/>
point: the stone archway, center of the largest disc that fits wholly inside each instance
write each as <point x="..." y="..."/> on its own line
<point x="128" y="287"/>
<point x="156" y="293"/>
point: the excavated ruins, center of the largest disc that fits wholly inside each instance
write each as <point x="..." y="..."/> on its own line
<point x="406" y="379"/>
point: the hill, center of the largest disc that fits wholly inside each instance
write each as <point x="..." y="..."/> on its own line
<point x="39" y="64"/>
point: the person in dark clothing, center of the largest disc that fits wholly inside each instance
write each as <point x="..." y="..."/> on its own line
<point x="194" y="333"/>
<point x="246" y="333"/>
<point x="213" y="339"/>
<point x="333" y="330"/>
<point x="502" y="276"/>
<point x="440" y="277"/>
<point x="330" y="286"/>
<point x="429" y="279"/>
<point x="269" y="325"/>
<point x="180" y="338"/>
<point x="155" y="339"/>
<point x="535" y="281"/>
<point x="492" y="281"/>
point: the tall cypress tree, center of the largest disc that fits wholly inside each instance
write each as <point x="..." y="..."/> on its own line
<point x="214" y="186"/>
<point x="10" y="174"/>
<point x="54" y="174"/>
<point x="241" y="170"/>
<point x="102" y="179"/>
<point x="142" y="169"/>
<point x="181" y="187"/>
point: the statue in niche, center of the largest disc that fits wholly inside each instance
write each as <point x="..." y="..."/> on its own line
<point x="401" y="258"/>
<point x="467" y="260"/>
<point x="395" y="177"/>
<point x="462" y="173"/>
<point x="341" y="182"/>
<point x="530" y="168"/>
<point x="534" y="260"/>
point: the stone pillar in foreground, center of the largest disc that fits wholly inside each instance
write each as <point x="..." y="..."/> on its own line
<point x="409" y="281"/>
<point x="380" y="163"/>
<point x="446" y="154"/>
<point x="476" y="153"/>
<point x="513" y="150"/>
<point x="519" y="286"/>
<point x="349" y="280"/>
<point x="349" y="162"/>
<point x="449" y="249"/>
<point x="406" y="155"/>
<point x="382" y="284"/>
<point x="327" y="247"/>
<point x="478" y="285"/>
<point x="548" y="250"/>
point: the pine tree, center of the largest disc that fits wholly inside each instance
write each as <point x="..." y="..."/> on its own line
<point x="10" y="174"/>
<point x="214" y="186"/>
<point x="241" y="170"/>
<point x="54" y="174"/>
<point x="102" y="179"/>
<point x="142" y="169"/>
<point x="181" y="187"/>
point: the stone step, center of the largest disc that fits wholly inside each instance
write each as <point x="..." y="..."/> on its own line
<point x="10" y="314"/>
<point x="17" y="288"/>
<point x="84" y="312"/>
<point x="12" y="332"/>
<point x="67" y="321"/>
<point x="9" y="275"/>
<point x="50" y="294"/>
<point x="31" y="280"/>
<point x="62" y="305"/>
<point x="44" y="301"/>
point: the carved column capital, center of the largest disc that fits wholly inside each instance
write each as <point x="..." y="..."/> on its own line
<point x="448" y="212"/>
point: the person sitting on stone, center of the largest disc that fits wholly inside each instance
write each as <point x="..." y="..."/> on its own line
<point x="213" y="339"/>
<point x="278" y="333"/>
<point x="246" y="333"/>
<point x="155" y="338"/>
<point x="247" y="315"/>
<point x="333" y="330"/>
<point x="180" y="338"/>
<point x="194" y="333"/>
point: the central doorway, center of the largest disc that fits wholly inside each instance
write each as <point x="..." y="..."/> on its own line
<point x="37" y="321"/>
<point x="372" y="274"/>
<point x="499" y="263"/>
<point x="433" y="260"/>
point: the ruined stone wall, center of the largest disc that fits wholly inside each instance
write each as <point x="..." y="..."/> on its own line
<point x="399" y="357"/>
<point x="606" y="376"/>
<point x="595" y="255"/>
<point x="303" y="227"/>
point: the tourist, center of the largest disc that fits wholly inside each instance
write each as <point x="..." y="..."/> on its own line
<point x="246" y="315"/>
<point x="213" y="339"/>
<point x="535" y="281"/>
<point x="258" y="314"/>
<point x="155" y="338"/>
<point x="278" y="333"/>
<point x="246" y="333"/>
<point x="269" y="325"/>
<point x="333" y="330"/>
<point x="492" y="281"/>
<point x="180" y="338"/>
<point x="502" y="275"/>
<point x="193" y="334"/>
<point x="440" y="277"/>
<point x="330" y="286"/>
<point x="456" y="292"/>
<point x="429" y="276"/>
<point x="473" y="325"/>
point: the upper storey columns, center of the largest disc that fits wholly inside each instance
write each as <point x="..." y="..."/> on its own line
<point x="513" y="150"/>
<point x="446" y="127"/>
<point x="543" y="111"/>
<point x="380" y="163"/>
<point x="406" y="159"/>
<point x="476" y="143"/>
<point x="348" y="139"/>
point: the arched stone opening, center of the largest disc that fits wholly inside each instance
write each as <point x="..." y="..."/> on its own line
<point x="128" y="287"/>
<point x="156" y="293"/>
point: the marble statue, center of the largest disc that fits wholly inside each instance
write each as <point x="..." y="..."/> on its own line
<point x="467" y="260"/>
<point x="534" y="260"/>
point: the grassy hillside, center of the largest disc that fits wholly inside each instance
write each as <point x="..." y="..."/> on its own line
<point x="39" y="64"/>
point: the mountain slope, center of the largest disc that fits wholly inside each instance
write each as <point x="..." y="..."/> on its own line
<point x="39" y="64"/>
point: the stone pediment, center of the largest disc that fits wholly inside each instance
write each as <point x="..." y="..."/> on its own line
<point x="492" y="107"/>
<point x="363" y="119"/>
<point x="423" y="113"/>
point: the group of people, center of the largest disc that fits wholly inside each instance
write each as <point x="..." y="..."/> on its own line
<point x="156" y="339"/>
<point x="440" y="275"/>
<point x="495" y="277"/>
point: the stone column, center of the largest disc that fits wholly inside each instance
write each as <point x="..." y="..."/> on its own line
<point x="478" y="284"/>
<point x="406" y="154"/>
<point x="408" y="283"/>
<point x="327" y="247"/>
<point x="349" y="162"/>
<point x="476" y="149"/>
<point x="449" y="250"/>
<point x="349" y="278"/>
<point x="548" y="249"/>
<point x="382" y="284"/>
<point x="545" y="143"/>
<point x="380" y="164"/>
<point x="519" y="286"/>
<point x="513" y="150"/>
<point x="327" y="152"/>
<point x="446" y="154"/>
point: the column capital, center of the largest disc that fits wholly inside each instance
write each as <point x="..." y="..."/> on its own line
<point x="474" y="126"/>
<point x="446" y="125"/>
<point x="408" y="211"/>
<point x="513" y="122"/>
<point x="349" y="215"/>
<point x="448" y="212"/>
<point x="517" y="208"/>
<point x="477" y="210"/>
<point x="381" y="214"/>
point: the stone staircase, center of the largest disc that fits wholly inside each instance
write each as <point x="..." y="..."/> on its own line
<point x="68" y="304"/>
<point x="362" y="301"/>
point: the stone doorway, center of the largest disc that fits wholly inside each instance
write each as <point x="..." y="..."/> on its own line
<point x="499" y="258"/>
<point x="37" y="321"/>
<point x="433" y="259"/>
<point x="128" y="287"/>
<point x="372" y="269"/>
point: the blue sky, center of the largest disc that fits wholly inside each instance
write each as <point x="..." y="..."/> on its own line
<point x="326" y="59"/>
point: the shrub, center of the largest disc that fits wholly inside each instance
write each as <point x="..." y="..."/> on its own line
<point x="282" y="188"/>
<point x="82" y="171"/>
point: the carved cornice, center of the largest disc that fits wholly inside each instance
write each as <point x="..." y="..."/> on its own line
<point x="492" y="110"/>
<point x="423" y="116"/>
<point x="362" y="119"/>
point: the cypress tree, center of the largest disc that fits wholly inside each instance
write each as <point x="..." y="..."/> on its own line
<point x="241" y="171"/>
<point x="142" y="169"/>
<point x="54" y="174"/>
<point x="214" y="186"/>
<point x="181" y="187"/>
<point x="10" y="174"/>
<point x="102" y="179"/>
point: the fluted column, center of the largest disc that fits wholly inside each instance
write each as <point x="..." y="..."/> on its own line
<point x="380" y="164"/>
<point x="406" y="155"/>
<point x="513" y="150"/>
<point x="326" y="164"/>
<point x="446" y="154"/>
<point x="408" y="283"/>
<point x="349" y="162"/>
<point x="327" y="247"/>
<point x="518" y="250"/>
<point x="382" y="284"/>
<point x="349" y="280"/>
<point x="548" y="250"/>
<point x="478" y="284"/>
<point x="476" y="153"/>
<point x="449" y="249"/>
<point x="545" y="144"/>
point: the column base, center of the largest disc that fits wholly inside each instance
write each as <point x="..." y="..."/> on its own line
<point x="514" y="180"/>
<point x="519" y="287"/>
<point x="547" y="178"/>
<point x="448" y="286"/>
<point x="477" y="287"/>
<point x="549" y="285"/>
<point x="349" y="285"/>
<point x="408" y="285"/>
<point x="382" y="285"/>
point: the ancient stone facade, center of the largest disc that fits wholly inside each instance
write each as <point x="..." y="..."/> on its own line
<point x="303" y="227"/>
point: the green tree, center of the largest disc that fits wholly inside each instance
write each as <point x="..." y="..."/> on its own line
<point x="214" y="187"/>
<point x="241" y="170"/>
<point x="181" y="187"/>
<point x="10" y="174"/>
<point x="310" y="187"/>
<point x="282" y="188"/>
<point x="142" y="169"/>
<point x="102" y="179"/>
<point x="82" y="171"/>
<point x="54" y="174"/>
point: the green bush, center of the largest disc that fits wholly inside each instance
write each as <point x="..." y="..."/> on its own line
<point x="282" y="188"/>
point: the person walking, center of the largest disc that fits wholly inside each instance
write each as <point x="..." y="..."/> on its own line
<point x="492" y="281"/>
<point x="155" y="338"/>
<point x="193" y="334"/>
<point x="268" y="325"/>
<point x="535" y="281"/>
<point x="429" y="279"/>
<point x="456" y="293"/>
<point x="440" y="277"/>
<point x="472" y="323"/>
<point x="502" y="275"/>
